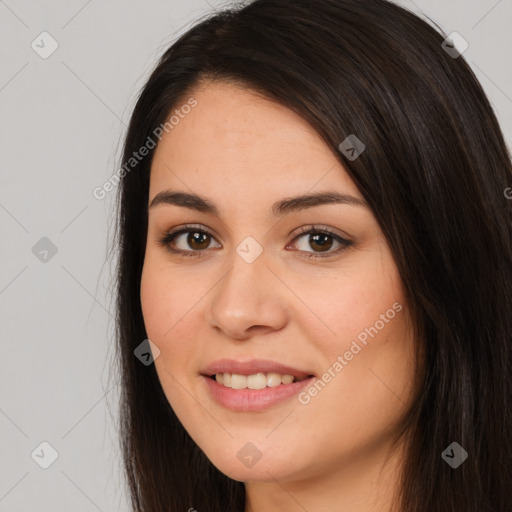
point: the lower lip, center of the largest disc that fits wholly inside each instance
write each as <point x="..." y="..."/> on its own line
<point x="247" y="400"/>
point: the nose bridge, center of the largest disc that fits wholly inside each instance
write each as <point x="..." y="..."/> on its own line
<point x="244" y="297"/>
<point x="248" y="263"/>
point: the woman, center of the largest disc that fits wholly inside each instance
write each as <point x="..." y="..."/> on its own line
<point x="314" y="236"/>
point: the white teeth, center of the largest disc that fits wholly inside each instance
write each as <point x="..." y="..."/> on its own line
<point x="273" y="380"/>
<point x="287" y="379"/>
<point x="258" y="381"/>
<point x="238" y="381"/>
<point x="255" y="381"/>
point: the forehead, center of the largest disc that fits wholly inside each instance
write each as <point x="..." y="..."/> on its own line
<point x="236" y="140"/>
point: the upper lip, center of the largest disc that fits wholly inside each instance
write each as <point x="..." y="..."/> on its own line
<point x="251" y="367"/>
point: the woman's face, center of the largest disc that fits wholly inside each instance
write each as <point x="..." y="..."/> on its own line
<point x="247" y="283"/>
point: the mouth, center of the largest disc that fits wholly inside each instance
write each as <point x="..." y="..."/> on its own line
<point x="253" y="374"/>
<point x="254" y="385"/>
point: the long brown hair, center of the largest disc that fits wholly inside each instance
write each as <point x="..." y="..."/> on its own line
<point x="434" y="172"/>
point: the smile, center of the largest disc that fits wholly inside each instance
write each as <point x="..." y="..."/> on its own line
<point x="245" y="399"/>
<point x="255" y="381"/>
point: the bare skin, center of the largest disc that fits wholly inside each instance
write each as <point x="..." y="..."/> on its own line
<point x="326" y="452"/>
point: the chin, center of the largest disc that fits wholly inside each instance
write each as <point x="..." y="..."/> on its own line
<point x="262" y="471"/>
<point x="243" y="461"/>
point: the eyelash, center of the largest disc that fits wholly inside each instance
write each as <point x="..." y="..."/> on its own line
<point x="306" y="230"/>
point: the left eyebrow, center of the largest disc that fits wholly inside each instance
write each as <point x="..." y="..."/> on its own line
<point x="279" y="208"/>
<point x="309" y="201"/>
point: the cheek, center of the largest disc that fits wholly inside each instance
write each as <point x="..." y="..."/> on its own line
<point x="167" y="303"/>
<point x="361" y="302"/>
<point x="164" y="297"/>
<point x="160" y="309"/>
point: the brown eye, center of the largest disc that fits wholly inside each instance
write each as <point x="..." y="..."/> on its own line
<point x="319" y="242"/>
<point x="187" y="241"/>
<point x="197" y="240"/>
<point x="322" y="241"/>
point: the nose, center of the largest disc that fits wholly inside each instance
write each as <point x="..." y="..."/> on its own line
<point x="248" y="299"/>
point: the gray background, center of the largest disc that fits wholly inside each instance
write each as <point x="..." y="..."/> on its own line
<point x="62" y="122"/>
